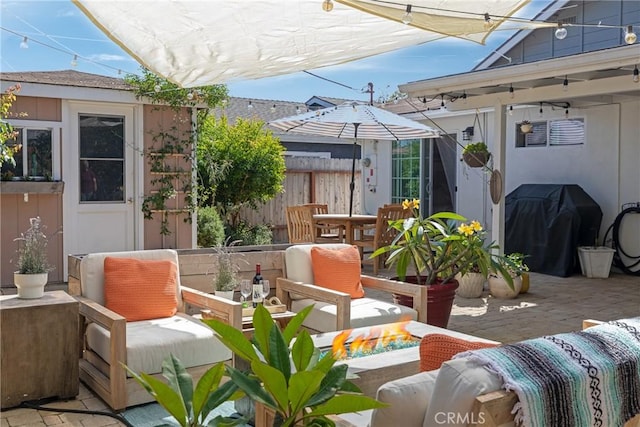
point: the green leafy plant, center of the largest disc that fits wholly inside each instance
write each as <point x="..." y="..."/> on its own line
<point x="475" y="147"/>
<point x="210" y="227"/>
<point x="32" y="252"/>
<point x="189" y="406"/>
<point x="288" y="375"/>
<point x="7" y="133"/>
<point x="259" y="234"/>
<point x="512" y="265"/>
<point x="437" y="247"/>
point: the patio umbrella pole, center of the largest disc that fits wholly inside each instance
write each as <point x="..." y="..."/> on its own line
<point x="353" y="167"/>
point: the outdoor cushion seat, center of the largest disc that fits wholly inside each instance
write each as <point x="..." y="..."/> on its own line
<point x="335" y="310"/>
<point x="149" y="341"/>
<point x="108" y="341"/>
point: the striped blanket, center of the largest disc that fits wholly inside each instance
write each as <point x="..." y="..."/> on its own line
<point x="587" y="378"/>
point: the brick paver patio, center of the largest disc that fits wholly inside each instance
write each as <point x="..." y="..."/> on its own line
<point x="552" y="305"/>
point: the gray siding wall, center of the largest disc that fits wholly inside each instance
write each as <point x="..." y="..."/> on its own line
<point x="541" y="44"/>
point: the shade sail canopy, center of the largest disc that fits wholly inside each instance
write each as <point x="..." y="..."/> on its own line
<point x="355" y="120"/>
<point x="196" y="43"/>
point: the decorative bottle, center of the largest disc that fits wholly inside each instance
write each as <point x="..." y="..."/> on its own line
<point x="257" y="287"/>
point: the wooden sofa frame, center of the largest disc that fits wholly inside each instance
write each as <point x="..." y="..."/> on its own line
<point x="496" y="406"/>
<point x="286" y="287"/>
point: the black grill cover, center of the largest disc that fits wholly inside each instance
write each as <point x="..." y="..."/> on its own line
<point x="548" y="222"/>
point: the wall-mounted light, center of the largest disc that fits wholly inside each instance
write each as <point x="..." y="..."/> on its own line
<point x="636" y="74"/>
<point x="565" y="84"/>
<point x="511" y="110"/>
<point x="561" y="32"/>
<point x="467" y="134"/>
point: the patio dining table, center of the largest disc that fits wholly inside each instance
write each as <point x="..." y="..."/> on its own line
<point x="350" y="223"/>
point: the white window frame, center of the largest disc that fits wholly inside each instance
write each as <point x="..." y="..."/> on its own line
<point x="55" y="128"/>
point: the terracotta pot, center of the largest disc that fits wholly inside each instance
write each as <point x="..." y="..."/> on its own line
<point x="499" y="287"/>
<point x="30" y="286"/>
<point x="439" y="300"/>
<point x="471" y="285"/>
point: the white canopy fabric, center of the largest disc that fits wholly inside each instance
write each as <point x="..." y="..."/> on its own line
<point x="196" y="43"/>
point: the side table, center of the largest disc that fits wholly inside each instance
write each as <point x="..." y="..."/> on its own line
<point x="38" y="348"/>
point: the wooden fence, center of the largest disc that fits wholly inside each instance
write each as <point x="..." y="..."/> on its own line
<point x="308" y="180"/>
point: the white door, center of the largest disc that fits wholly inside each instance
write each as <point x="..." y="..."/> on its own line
<point x="99" y="179"/>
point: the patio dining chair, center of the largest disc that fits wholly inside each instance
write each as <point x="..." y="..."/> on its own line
<point x="325" y="233"/>
<point x="382" y="235"/>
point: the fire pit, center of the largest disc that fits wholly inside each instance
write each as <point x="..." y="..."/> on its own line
<point x="378" y="339"/>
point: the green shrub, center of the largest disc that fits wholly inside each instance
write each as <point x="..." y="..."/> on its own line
<point x="250" y="235"/>
<point x="210" y="228"/>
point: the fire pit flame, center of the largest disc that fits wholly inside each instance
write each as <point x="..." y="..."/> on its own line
<point x="378" y="340"/>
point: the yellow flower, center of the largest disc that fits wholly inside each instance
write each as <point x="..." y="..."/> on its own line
<point x="465" y="229"/>
<point x="476" y="225"/>
<point x="415" y="203"/>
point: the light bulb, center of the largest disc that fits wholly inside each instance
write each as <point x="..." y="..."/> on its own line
<point x="327" y="5"/>
<point x="541" y="109"/>
<point x="157" y="88"/>
<point x="273" y="108"/>
<point x="250" y="106"/>
<point x="24" y="44"/>
<point x="636" y="74"/>
<point x="190" y="96"/>
<point x="511" y="110"/>
<point x="407" y="17"/>
<point x="74" y="61"/>
<point x="488" y="22"/>
<point x="464" y="98"/>
<point x="561" y="32"/>
<point x="565" y="84"/>
<point x="630" y="37"/>
<point x="566" y="113"/>
<point x="298" y="110"/>
<point x="511" y="92"/>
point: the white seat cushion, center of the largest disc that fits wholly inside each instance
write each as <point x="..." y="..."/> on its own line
<point x="457" y="385"/>
<point x="408" y="400"/>
<point x="149" y="342"/>
<point x="364" y="312"/>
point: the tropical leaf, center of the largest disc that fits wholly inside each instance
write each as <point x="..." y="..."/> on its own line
<point x="302" y="386"/>
<point x="179" y="379"/>
<point x="302" y="351"/>
<point x="251" y="386"/>
<point x="273" y="381"/>
<point x="263" y="324"/>
<point x="233" y="338"/>
<point x="330" y="384"/>
<point x="344" y="403"/>
<point x="209" y="381"/>
<point x="295" y="323"/>
<point x="279" y="353"/>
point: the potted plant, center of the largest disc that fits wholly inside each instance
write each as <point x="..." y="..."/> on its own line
<point x="476" y="154"/>
<point x="437" y="248"/>
<point x="526" y="126"/>
<point x="32" y="265"/>
<point x="226" y="278"/>
<point x="506" y="283"/>
<point x="477" y="263"/>
<point x="290" y="377"/>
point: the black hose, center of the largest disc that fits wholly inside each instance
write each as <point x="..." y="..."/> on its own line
<point x="32" y="405"/>
<point x="617" y="258"/>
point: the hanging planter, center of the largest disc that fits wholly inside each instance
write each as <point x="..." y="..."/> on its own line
<point x="526" y="127"/>
<point x="476" y="155"/>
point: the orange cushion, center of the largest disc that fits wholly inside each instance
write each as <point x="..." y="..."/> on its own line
<point x="435" y="349"/>
<point x="140" y="289"/>
<point x="337" y="269"/>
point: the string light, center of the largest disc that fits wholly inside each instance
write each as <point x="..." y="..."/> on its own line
<point x="511" y="93"/>
<point x="157" y="88"/>
<point x="442" y="101"/>
<point x="630" y="37"/>
<point x="24" y="44"/>
<point x="298" y="110"/>
<point x="74" y="61"/>
<point x="327" y="5"/>
<point x="250" y="106"/>
<point x="190" y="96"/>
<point x="566" y="113"/>
<point x="488" y="22"/>
<point x="511" y="110"/>
<point x="636" y="74"/>
<point x="561" y="32"/>
<point x="407" y="17"/>
<point x="273" y="108"/>
<point x="464" y="97"/>
<point x="541" y="108"/>
<point x="565" y="84"/>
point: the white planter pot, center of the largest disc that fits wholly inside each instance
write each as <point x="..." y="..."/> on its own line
<point x="30" y="286"/>
<point x="499" y="287"/>
<point x="225" y="294"/>
<point x="471" y="285"/>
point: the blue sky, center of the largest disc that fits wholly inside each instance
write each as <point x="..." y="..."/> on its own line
<point x="66" y="31"/>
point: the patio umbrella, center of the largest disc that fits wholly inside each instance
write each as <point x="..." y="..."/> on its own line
<point x="355" y="120"/>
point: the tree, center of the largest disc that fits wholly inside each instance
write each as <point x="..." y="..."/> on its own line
<point x="252" y="162"/>
<point x="6" y="130"/>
